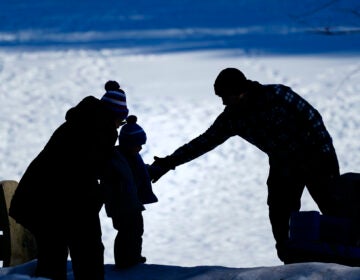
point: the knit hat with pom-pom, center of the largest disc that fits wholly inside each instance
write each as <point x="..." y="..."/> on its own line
<point x="115" y="99"/>
<point x="132" y="134"/>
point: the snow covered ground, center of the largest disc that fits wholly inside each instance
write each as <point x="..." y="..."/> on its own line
<point x="212" y="213"/>
<point x="308" y="271"/>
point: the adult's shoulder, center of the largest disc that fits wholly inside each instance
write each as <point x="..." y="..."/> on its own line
<point x="276" y="88"/>
<point x="277" y="92"/>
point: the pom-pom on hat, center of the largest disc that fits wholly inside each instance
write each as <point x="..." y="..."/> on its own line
<point x="115" y="99"/>
<point x="230" y="81"/>
<point x="132" y="134"/>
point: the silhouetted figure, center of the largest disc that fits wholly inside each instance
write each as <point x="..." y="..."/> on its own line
<point x="285" y="127"/>
<point x="58" y="198"/>
<point x="127" y="187"/>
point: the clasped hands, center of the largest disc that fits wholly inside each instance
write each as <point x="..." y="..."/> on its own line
<point x="159" y="167"/>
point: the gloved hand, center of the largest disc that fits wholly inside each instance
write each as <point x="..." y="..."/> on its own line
<point x="159" y="167"/>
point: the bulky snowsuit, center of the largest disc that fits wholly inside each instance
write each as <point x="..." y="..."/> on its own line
<point x="127" y="187"/>
<point x="291" y="132"/>
<point x="58" y="198"/>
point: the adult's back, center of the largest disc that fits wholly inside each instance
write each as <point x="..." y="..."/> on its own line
<point x="64" y="174"/>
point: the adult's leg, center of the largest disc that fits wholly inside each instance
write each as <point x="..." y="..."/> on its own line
<point x="86" y="247"/>
<point x="284" y="197"/>
<point x="321" y="172"/>
<point x="52" y="253"/>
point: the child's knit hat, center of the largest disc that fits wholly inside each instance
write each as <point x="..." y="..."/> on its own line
<point x="132" y="134"/>
<point x="115" y="99"/>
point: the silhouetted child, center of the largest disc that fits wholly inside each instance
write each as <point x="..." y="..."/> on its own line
<point x="127" y="187"/>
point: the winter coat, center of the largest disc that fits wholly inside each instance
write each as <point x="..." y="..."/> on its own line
<point x="126" y="184"/>
<point x="275" y="119"/>
<point x="62" y="181"/>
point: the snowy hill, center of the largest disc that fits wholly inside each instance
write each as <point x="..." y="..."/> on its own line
<point x="308" y="271"/>
<point x="211" y="219"/>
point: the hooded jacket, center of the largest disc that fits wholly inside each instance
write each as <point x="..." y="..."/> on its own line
<point x="62" y="181"/>
<point x="126" y="183"/>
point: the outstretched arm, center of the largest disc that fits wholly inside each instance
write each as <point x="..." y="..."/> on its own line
<point x="215" y="135"/>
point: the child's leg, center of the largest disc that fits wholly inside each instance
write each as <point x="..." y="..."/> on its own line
<point x="128" y="241"/>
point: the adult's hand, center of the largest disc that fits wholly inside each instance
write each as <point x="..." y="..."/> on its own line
<point x="160" y="167"/>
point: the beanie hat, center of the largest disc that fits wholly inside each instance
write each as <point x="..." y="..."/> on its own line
<point x="132" y="134"/>
<point x="230" y="81"/>
<point x="115" y="99"/>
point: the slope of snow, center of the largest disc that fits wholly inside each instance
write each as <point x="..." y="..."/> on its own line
<point x="211" y="217"/>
